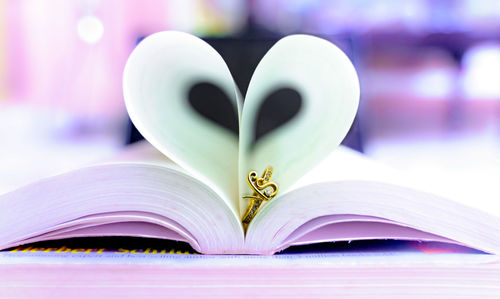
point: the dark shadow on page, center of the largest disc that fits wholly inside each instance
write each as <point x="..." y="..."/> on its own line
<point x="380" y="246"/>
<point x="137" y="245"/>
<point x="212" y="103"/>
<point x="109" y="244"/>
<point x="278" y="108"/>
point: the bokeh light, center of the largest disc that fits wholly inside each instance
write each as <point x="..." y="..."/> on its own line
<point x="90" y="29"/>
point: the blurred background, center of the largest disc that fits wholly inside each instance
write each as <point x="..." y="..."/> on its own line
<point x="429" y="72"/>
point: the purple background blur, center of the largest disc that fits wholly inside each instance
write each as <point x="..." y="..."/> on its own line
<point x="429" y="71"/>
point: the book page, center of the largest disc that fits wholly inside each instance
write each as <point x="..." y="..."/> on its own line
<point x="169" y="81"/>
<point x="347" y="183"/>
<point x="139" y="186"/>
<point x="316" y="78"/>
<point x="345" y="164"/>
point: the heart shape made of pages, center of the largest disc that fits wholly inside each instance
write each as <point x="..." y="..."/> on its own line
<point x="300" y="104"/>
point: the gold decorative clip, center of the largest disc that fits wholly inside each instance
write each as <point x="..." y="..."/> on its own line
<point x="263" y="190"/>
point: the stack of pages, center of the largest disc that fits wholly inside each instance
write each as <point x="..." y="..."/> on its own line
<point x="366" y="269"/>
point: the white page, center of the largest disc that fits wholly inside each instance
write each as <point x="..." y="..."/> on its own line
<point x="345" y="164"/>
<point x="156" y="82"/>
<point x="328" y="85"/>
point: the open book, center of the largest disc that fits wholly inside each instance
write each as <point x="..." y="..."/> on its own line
<point x="300" y="104"/>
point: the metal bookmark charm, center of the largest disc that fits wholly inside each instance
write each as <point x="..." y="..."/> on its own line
<point x="263" y="190"/>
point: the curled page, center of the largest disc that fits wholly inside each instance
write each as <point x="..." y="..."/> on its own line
<point x="317" y="84"/>
<point x="171" y="82"/>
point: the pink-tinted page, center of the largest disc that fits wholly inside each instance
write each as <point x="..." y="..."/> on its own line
<point x="139" y="224"/>
<point x="355" y="227"/>
<point x="138" y="229"/>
